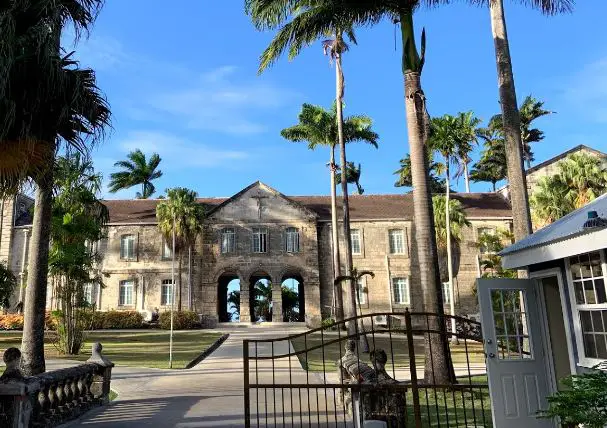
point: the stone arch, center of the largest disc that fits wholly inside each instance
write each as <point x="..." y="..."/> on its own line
<point x="228" y="271"/>
<point x="297" y="278"/>
<point x="292" y="270"/>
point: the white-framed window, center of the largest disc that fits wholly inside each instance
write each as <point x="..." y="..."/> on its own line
<point x="89" y="294"/>
<point x="167" y="251"/>
<point x="127" y="247"/>
<point x="228" y="240"/>
<point x="356" y="241"/>
<point x="260" y="240"/>
<point x="292" y="240"/>
<point x="361" y="292"/>
<point x="126" y="293"/>
<point x="400" y="291"/>
<point x="166" y="292"/>
<point x="446" y="293"/>
<point x="396" y="238"/>
<point x="586" y="274"/>
<point x="484" y="231"/>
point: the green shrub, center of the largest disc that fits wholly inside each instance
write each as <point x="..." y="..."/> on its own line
<point x="327" y="322"/>
<point x="15" y="322"/>
<point x="182" y="320"/>
<point x="116" y="320"/>
<point x="584" y="401"/>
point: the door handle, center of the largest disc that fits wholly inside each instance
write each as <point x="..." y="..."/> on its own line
<point x="491" y="355"/>
<point x="488" y="341"/>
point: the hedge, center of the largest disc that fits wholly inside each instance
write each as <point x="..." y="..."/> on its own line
<point x="182" y="320"/>
<point x="117" y="320"/>
<point x="15" y="322"/>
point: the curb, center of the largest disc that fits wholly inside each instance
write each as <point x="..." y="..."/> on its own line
<point x="207" y="351"/>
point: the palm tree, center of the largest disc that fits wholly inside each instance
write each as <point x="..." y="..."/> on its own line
<point x="300" y="23"/>
<point x="510" y="114"/>
<point x="182" y="215"/>
<point x="45" y="100"/>
<point x="263" y="299"/>
<point x="580" y="178"/>
<point x="318" y="127"/>
<point x="137" y="171"/>
<point x="353" y="175"/>
<point x="467" y="125"/>
<point x="492" y="165"/>
<point x="437" y="185"/>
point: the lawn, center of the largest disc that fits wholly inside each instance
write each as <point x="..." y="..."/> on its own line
<point x="395" y="347"/>
<point x="147" y="348"/>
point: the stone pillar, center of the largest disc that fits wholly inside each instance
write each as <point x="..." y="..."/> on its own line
<point x="17" y="394"/>
<point x="101" y="381"/>
<point x="277" y="301"/>
<point x="312" y="299"/>
<point x="245" y="306"/>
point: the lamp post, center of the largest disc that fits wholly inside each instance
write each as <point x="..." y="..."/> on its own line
<point x="172" y="295"/>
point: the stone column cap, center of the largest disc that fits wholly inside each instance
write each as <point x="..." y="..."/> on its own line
<point x="97" y="357"/>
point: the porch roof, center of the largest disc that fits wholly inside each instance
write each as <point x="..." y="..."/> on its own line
<point x="564" y="238"/>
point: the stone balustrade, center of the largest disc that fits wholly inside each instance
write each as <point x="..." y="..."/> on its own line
<point x="54" y="397"/>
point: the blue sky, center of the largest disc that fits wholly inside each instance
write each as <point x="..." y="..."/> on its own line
<point x="182" y="81"/>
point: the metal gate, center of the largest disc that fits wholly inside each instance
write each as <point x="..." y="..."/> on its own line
<point x="387" y="369"/>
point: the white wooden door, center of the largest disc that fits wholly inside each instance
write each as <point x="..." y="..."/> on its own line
<point x="516" y="364"/>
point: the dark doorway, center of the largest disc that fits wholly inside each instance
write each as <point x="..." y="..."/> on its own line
<point x="228" y="298"/>
<point x="293" y="299"/>
<point x="260" y="297"/>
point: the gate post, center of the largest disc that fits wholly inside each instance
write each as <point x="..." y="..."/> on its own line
<point x="247" y="397"/>
<point x="413" y="370"/>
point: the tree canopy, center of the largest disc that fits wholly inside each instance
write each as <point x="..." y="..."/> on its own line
<point x="137" y="170"/>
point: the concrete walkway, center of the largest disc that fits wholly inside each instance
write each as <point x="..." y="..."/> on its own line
<point x="208" y="395"/>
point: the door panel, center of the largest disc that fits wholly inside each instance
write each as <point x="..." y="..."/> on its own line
<point x="516" y="364"/>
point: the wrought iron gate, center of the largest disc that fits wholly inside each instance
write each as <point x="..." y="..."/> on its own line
<point x="325" y="377"/>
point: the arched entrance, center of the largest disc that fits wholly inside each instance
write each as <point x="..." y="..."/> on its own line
<point x="228" y="298"/>
<point x="293" y="299"/>
<point x="260" y="297"/>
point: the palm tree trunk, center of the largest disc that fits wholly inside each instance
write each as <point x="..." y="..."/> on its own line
<point x="190" y="278"/>
<point x="438" y="361"/>
<point x="179" y="282"/>
<point x="449" y="255"/>
<point x="32" y="343"/>
<point x="337" y="289"/>
<point x="466" y="177"/>
<point x="517" y="181"/>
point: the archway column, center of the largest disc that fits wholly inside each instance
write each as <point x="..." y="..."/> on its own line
<point x="245" y="304"/>
<point x="277" y="300"/>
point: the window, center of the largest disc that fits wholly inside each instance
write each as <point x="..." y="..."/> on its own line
<point x="446" y="293"/>
<point x="292" y="240"/>
<point x="484" y="231"/>
<point x="126" y="293"/>
<point x="260" y="240"/>
<point x="228" y="240"/>
<point x="88" y="294"/>
<point x="397" y="241"/>
<point x="166" y="292"/>
<point x="591" y="303"/>
<point x="361" y="292"/>
<point x="400" y="291"/>
<point x="355" y="238"/>
<point x="167" y="252"/>
<point x="127" y="247"/>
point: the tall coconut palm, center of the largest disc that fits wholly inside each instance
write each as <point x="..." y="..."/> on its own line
<point x="299" y="24"/>
<point x="182" y="216"/>
<point x="45" y="101"/>
<point x="517" y="181"/>
<point x="318" y="127"/>
<point x="137" y="170"/>
<point x="353" y="173"/>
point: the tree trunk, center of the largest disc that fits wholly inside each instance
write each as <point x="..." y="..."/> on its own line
<point x="337" y="289"/>
<point x="179" y="282"/>
<point x="438" y="360"/>
<point x="466" y="176"/>
<point x="32" y="343"/>
<point x="190" y="278"/>
<point x="517" y="181"/>
<point x="450" y="255"/>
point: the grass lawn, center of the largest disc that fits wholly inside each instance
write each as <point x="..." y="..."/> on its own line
<point x="147" y="348"/>
<point x="397" y="347"/>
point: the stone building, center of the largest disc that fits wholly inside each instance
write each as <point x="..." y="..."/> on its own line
<point x="261" y="234"/>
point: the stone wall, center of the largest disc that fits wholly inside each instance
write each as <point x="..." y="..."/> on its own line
<point x="6" y="229"/>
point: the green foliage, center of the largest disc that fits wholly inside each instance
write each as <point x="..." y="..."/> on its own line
<point x="234" y="303"/>
<point x="457" y="216"/>
<point x="580" y="178"/>
<point x="182" y="320"/>
<point x="353" y="173"/>
<point x="136" y="171"/>
<point x="117" y="320"/>
<point x="327" y="322"/>
<point x="491" y="263"/>
<point x="8" y="282"/>
<point x="583" y="401"/>
<point x="290" y="304"/>
<point x="492" y="166"/>
<point x="437" y="184"/>
<point x="188" y="215"/>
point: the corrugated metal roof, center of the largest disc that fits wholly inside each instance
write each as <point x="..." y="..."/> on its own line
<point x="564" y="228"/>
